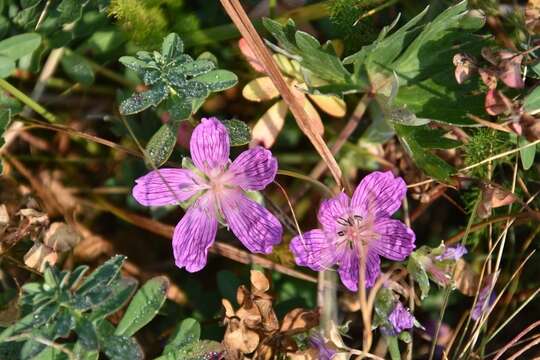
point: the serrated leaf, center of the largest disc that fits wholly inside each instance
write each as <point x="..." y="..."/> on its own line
<point x="20" y="45"/>
<point x="199" y="350"/>
<point x="430" y="163"/>
<point x="418" y="272"/>
<point x="87" y="334"/>
<point x="172" y="46"/>
<point x="161" y="145"/>
<point x="527" y="154"/>
<point x="218" y="80"/>
<point x="142" y="101"/>
<point x="239" y="132"/>
<point x="77" y="68"/>
<point x="187" y="332"/>
<point x="120" y="294"/>
<point x="531" y="103"/>
<point x="144" y="306"/>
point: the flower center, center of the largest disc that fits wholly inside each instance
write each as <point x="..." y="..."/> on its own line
<point x="354" y="231"/>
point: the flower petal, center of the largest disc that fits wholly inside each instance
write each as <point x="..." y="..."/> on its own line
<point x="252" y="224"/>
<point x="379" y="193"/>
<point x="253" y="169"/>
<point x="396" y="240"/>
<point x="209" y="145"/>
<point x="350" y="264"/>
<point x="166" y="187"/>
<point x="315" y="250"/>
<point x="331" y="210"/>
<point x="194" y="235"/>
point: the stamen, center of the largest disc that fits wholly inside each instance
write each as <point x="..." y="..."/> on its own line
<point x="341" y="233"/>
<point x="344" y="221"/>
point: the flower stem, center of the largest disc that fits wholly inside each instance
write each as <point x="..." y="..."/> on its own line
<point x="393" y="347"/>
<point x="25" y="99"/>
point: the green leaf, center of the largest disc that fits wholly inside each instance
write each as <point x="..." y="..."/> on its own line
<point x="433" y="138"/>
<point x="75" y="276"/>
<point x="33" y="320"/>
<point x="87" y="334"/>
<point x="198" y="350"/>
<point x="172" y="46"/>
<point x="77" y="68"/>
<point x="431" y="164"/>
<point x="393" y="347"/>
<point x="122" y="348"/>
<point x="187" y="332"/>
<point x="527" y="154"/>
<point x="195" y="68"/>
<point x="50" y="353"/>
<point x="121" y="292"/>
<point x="7" y="65"/>
<point x="239" y="132"/>
<point x="416" y="268"/>
<point x="218" y="80"/>
<point x="142" y="101"/>
<point x="531" y="103"/>
<point x="103" y="275"/>
<point x="161" y="145"/>
<point x="179" y="108"/>
<point x="145" y="305"/>
<point x="20" y="45"/>
<point x="134" y="64"/>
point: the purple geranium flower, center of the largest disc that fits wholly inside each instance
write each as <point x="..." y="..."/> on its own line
<point x="363" y="221"/>
<point x="325" y="352"/>
<point x="400" y="319"/>
<point x="216" y="189"/>
<point x="452" y="253"/>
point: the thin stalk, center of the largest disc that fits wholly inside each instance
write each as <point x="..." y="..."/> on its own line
<point x="22" y="97"/>
<point x="448" y="289"/>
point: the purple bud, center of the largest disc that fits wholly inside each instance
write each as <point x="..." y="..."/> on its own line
<point x="452" y="253"/>
<point x="400" y="319"/>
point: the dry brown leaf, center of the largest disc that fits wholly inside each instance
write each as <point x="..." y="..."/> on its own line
<point x="331" y="105"/>
<point x="10" y="312"/>
<point x="532" y="16"/>
<point x="465" y="278"/>
<point x="299" y="320"/>
<point x="4" y="218"/>
<point x="269" y="125"/>
<point x="239" y="338"/>
<point x="465" y="67"/>
<point x="260" y="89"/>
<point x="510" y="69"/>
<point x="259" y="281"/>
<point x="313" y="114"/>
<point x="489" y="77"/>
<point x="496" y="103"/>
<point x="493" y="197"/>
<point x="61" y="237"/>
<point x="39" y="255"/>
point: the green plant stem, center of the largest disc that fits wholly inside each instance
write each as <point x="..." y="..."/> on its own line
<point x="393" y="347"/>
<point x="28" y="101"/>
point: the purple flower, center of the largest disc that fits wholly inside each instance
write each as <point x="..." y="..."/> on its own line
<point x="452" y="253"/>
<point x="486" y="297"/>
<point x="216" y="189"/>
<point x="363" y="221"/>
<point x="400" y="319"/>
<point x="325" y="352"/>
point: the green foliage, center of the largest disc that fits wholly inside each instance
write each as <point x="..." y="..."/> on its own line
<point x="144" y="306"/>
<point x="66" y="303"/>
<point x="527" y="154"/>
<point x="239" y="132"/>
<point x="179" y="82"/>
<point x="531" y="103"/>
<point x="483" y="144"/>
<point x="77" y="68"/>
<point x="344" y="15"/>
<point x="14" y="48"/>
<point x="185" y="344"/>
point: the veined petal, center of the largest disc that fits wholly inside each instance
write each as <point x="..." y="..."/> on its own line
<point x="314" y="250"/>
<point x="395" y="241"/>
<point x="209" y="145"/>
<point x="379" y="194"/>
<point x="332" y="210"/>
<point x="252" y="224"/>
<point x="194" y="235"/>
<point x="349" y="267"/>
<point x="166" y="187"/>
<point x="253" y="169"/>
